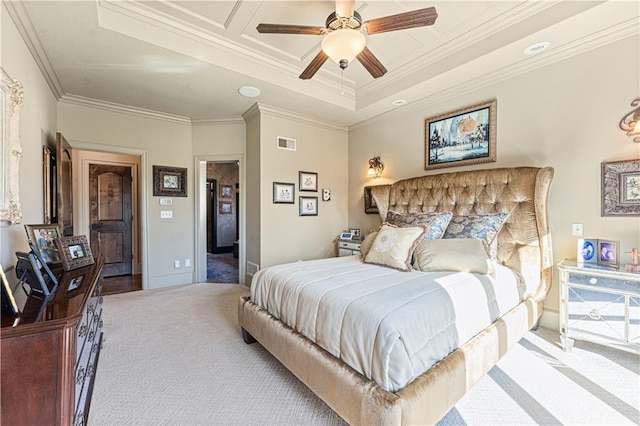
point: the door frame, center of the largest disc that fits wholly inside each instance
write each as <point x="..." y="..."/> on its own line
<point x="200" y="211"/>
<point x="140" y="183"/>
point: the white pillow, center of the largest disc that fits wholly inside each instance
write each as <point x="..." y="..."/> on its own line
<point x="456" y="254"/>
<point x="393" y="246"/>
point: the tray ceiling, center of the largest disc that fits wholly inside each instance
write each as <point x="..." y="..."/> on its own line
<point x="188" y="58"/>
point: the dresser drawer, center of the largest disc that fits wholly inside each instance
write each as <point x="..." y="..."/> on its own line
<point x="596" y="312"/>
<point x="349" y="245"/>
<point x="627" y="286"/>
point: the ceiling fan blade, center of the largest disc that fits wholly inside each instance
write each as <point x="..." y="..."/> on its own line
<point x="371" y="63"/>
<point x="402" y="21"/>
<point x="289" y="29"/>
<point x="345" y="8"/>
<point x="314" y="66"/>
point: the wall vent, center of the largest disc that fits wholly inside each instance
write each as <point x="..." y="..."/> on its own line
<point x="286" y="143"/>
<point x="252" y="268"/>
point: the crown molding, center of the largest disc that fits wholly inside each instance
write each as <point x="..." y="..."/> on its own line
<point x="250" y="113"/>
<point x="27" y="31"/>
<point x="300" y="118"/>
<point x="324" y="81"/>
<point x="487" y="29"/>
<point x="610" y="35"/>
<point x="217" y="121"/>
<point x="123" y="109"/>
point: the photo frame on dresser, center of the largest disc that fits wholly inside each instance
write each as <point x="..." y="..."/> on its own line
<point x="608" y="252"/>
<point x="42" y="237"/>
<point x="75" y="252"/>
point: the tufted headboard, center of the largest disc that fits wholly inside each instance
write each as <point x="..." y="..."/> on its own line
<point x="524" y="242"/>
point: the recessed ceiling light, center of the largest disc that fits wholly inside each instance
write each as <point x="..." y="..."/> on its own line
<point x="249" y="91"/>
<point x="398" y="102"/>
<point x="536" y="48"/>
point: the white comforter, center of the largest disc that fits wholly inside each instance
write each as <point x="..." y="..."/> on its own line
<point x="391" y="326"/>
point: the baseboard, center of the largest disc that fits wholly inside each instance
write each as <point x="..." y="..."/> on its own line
<point x="549" y="319"/>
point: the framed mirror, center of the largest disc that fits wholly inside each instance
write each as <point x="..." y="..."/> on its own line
<point x="11" y="101"/>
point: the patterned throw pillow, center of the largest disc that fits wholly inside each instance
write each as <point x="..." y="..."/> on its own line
<point x="482" y="227"/>
<point x="434" y="223"/>
<point x="393" y="246"/>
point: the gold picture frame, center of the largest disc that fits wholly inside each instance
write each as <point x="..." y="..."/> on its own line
<point x="461" y="137"/>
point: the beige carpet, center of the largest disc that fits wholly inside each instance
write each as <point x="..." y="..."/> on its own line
<point x="175" y="357"/>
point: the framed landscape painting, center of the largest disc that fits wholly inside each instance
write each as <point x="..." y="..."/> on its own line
<point x="461" y="137"/>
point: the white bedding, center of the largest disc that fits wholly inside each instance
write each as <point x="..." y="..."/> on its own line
<point x="391" y="326"/>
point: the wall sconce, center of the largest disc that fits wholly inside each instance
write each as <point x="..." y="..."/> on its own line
<point x="376" y="166"/>
<point x="630" y="123"/>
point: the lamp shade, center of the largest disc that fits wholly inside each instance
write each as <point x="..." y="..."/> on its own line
<point x="343" y="44"/>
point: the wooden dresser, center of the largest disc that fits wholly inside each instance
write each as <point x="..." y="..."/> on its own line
<point x="49" y="355"/>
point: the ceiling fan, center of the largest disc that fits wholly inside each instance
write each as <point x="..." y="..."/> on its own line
<point x="344" y="37"/>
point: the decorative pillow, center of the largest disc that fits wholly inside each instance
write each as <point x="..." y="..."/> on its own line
<point x="434" y="223"/>
<point x="366" y="244"/>
<point x="457" y="254"/>
<point x="484" y="227"/>
<point x="393" y="246"/>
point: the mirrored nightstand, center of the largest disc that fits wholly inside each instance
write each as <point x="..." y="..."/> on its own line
<point x="599" y="303"/>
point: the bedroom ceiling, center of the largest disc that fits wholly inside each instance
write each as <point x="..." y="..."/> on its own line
<point x="189" y="58"/>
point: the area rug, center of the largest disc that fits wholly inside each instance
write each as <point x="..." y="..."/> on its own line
<point x="175" y="356"/>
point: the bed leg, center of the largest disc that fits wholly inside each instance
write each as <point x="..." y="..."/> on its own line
<point x="248" y="339"/>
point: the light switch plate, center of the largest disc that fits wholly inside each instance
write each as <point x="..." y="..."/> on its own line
<point x="166" y="201"/>
<point x="576" y="230"/>
<point x="166" y="214"/>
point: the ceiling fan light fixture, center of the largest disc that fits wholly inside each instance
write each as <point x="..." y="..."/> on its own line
<point x="343" y="45"/>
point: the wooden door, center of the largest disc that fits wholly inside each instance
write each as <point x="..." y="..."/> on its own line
<point x="212" y="225"/>
<point x="110" y="217"/>
<point x="64" y="186"/>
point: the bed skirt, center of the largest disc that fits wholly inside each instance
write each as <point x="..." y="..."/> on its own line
<point x="360" y="401"/>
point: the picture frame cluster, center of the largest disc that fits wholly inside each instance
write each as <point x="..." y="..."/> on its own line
<point x="284" y="193"/>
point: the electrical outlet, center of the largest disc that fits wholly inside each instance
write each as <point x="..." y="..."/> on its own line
<point x="176" y="264"/>
<point x="576" y="230"/>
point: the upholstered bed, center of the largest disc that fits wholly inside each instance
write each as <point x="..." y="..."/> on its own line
<point x="289" y="305"/>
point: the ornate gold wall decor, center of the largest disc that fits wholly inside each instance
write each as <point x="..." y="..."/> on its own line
<point x="11" y="102"/>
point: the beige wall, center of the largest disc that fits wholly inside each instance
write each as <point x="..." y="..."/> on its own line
<point x="37" y="126"/>
<point x="286" y="236"/>
<point x="565" y="115"/>
<point x="253" y="185"/>
<point x="164" y="143"/>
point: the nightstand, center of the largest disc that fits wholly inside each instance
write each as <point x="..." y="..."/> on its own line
<point x="599" y="303"/>
<point x="348" y="247"/>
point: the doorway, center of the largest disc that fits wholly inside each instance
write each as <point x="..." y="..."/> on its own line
<point x="222" y="206"/>
<point x="205" y="209"/>
<point x="111" y="214"/>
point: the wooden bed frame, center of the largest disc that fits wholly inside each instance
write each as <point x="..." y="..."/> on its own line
<point x="524" y="244"/>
